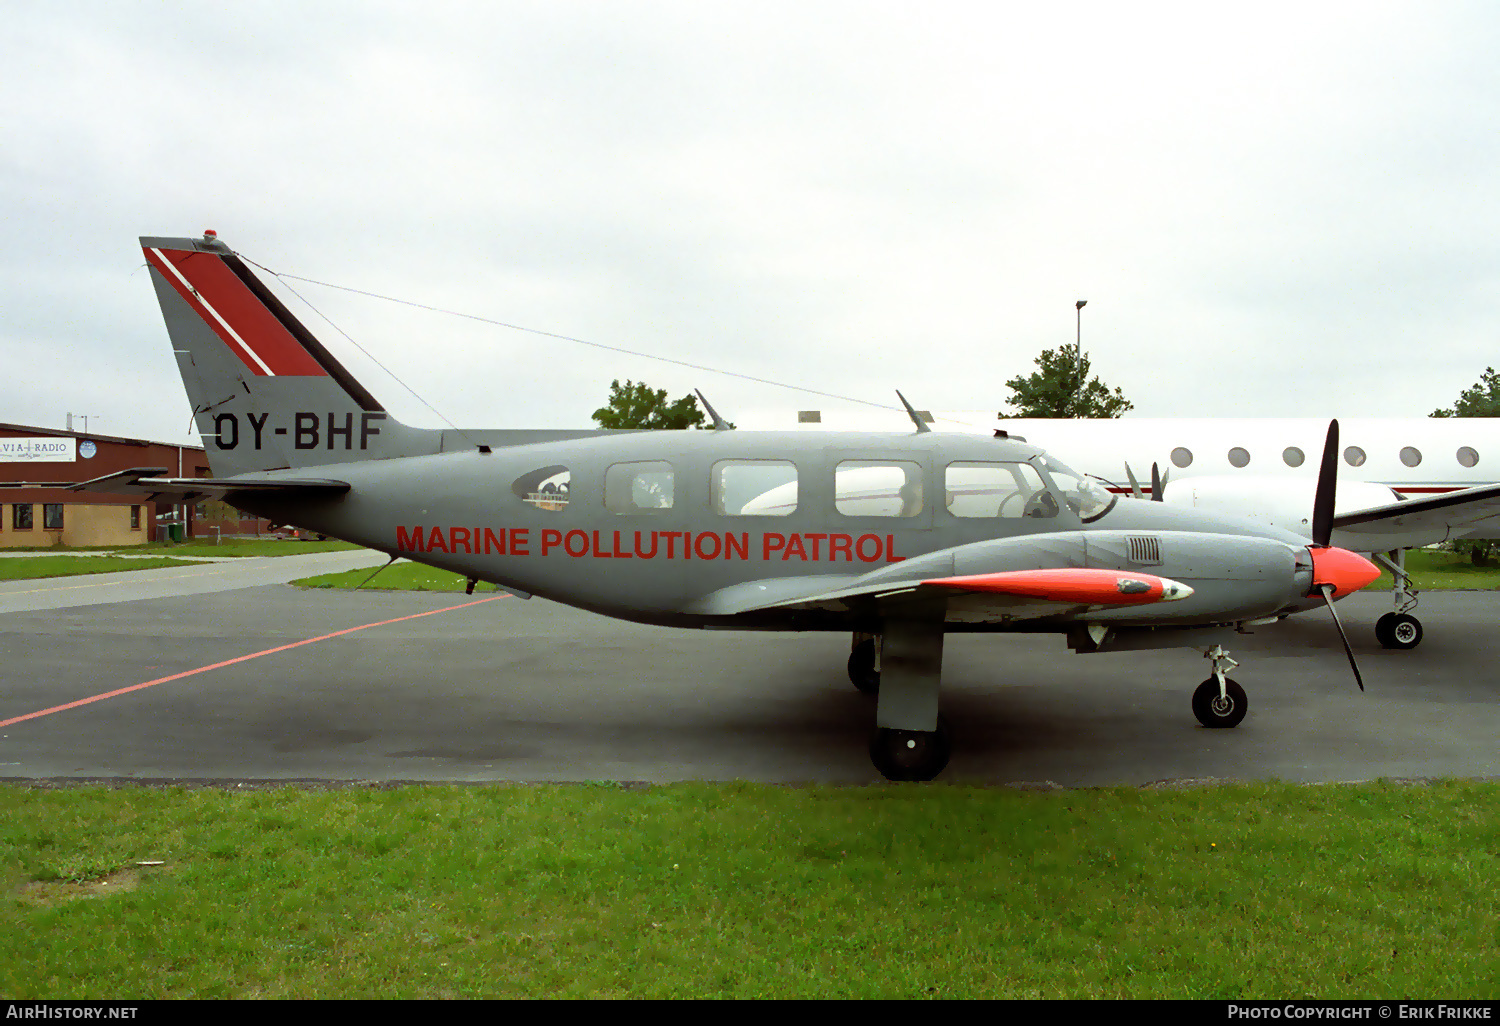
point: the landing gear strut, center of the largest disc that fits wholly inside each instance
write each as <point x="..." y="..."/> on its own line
<point x="1219" y="701"/>
<point x="1399" y="630"/>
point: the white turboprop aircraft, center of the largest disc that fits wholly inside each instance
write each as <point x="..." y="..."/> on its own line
<point x="1446" y="472"/>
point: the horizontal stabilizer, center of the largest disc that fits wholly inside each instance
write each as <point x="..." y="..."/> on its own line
<point x="197" y="489"/>
<point x="1072" y="585"/>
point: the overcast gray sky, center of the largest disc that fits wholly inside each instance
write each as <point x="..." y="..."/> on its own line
<point x="1272" y="209"/>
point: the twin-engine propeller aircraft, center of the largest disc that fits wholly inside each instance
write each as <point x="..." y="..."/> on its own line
<point x="731" y="529"/>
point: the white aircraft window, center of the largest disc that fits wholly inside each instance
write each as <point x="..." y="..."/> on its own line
<point x="754" y="488"/>
<point x="1085" y="496"/>
<point x="635" y="488"/>
<point x="996" y="490"/>
<point x="869" y="488"/>
<point x="1468" y="457"/>
<point x="1182" y="457"/>
<point x="1410" y="456"/>
<point x="1354" y="456"/>
<point x="1293" y="456"/>
<point x="1239" y="457"/>
<point x="546" y="489"/>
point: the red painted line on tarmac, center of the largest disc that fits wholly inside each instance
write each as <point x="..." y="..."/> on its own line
<point x="239" y="659"/>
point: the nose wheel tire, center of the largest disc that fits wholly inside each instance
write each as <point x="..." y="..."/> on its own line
<point x="910" y="754"/>
<point x="862" y="672"/>
<point x="1399" y="631"/>
<point x="1215" y="711"/>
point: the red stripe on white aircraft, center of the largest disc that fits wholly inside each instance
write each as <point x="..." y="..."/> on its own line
<point x="234" y="313"/>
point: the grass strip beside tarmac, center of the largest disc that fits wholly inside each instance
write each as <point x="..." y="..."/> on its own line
<point x="70" y="566"/>
<point x="746" y="890"/>
<point x="401" y="575"/>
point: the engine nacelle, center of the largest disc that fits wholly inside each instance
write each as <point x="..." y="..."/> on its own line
<point x="1282" y="502"/>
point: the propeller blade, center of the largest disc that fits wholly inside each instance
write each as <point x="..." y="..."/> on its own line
<point x="1328" y="477"/>
<point x="1135" y="488"/>
<point x="1326" y="590"/>
<point x="1156" y="483"/>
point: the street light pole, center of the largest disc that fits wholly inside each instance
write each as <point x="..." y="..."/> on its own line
<point x="1078" y="353"/>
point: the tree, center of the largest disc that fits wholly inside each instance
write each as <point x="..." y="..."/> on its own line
<point x="636" y="405"/>
<point x="1057" y="390"/>
<point x="1480" y="400"/>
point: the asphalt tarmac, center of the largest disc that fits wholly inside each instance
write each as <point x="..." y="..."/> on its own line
<point x="513" y="690"/>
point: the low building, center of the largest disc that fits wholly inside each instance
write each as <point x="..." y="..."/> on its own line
<point x="38" y="510"/>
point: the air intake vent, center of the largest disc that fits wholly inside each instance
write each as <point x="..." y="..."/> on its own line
<point x="1144" y="550"/>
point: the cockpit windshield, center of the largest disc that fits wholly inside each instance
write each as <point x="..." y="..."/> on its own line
<point x="1085" y="496"/>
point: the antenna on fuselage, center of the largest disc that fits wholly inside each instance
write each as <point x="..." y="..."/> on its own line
<point x="915" y="419"/>
<point x="720" y="424"/>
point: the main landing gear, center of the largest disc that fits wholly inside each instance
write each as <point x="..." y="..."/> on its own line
<point x="1399" y="630"/>
<point x="903" y="666"/>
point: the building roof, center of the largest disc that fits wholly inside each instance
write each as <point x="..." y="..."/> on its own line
<point x="94" y="435"/>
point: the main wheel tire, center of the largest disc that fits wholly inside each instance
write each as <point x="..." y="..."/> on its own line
<point x="862" y="672"/>
<point x="910" y="754"/>
<point x="1399" y="631"/>
<point x="1213" y="711"/>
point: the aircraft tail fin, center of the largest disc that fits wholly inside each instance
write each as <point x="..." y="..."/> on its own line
<point x="265" y="392"/>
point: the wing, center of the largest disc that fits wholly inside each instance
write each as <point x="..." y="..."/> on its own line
<point x="1419" y="521"/>
<point x="1009" y="594"/>
<point x="196" y="489"/>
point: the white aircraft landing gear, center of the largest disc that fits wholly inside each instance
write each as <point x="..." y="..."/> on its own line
<point x="1399" y="630"/>
<point x="911" y="742"/>
<point x="864" y="662"/>
<point x="1219" y="701"/>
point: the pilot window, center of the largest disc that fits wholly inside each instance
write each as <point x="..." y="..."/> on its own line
<point x="545" y="489"/>
<point x="1009" y="490"/>
<point x="636" y="488"/>
<point x="878" y="488"/>
<point x="754" y="488"/>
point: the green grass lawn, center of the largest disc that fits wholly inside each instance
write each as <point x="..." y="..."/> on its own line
<point x="399" y="576"/>
<point x="68" y="566"/>
<point x="1437" y="570"/>
<point x="747" y="890"/>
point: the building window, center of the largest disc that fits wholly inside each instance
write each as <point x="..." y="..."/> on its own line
<point x="20" y="516"/>
<point x="135" y="518"/>
<point x="52" y="516"/>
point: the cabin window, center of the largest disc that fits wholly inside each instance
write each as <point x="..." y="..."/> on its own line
<point x="1239" y="457"/>
<point x="1354" y="456"/>
<point x="545" y="489"/>
<point x="1293" y="456"/>
<point x="1467" y="457"/>
<point x="995" y="490"/>
<point x="635" y="488"/>
<point x="878" y="488"/>
<point x="1182" y="457"/>
<point x="754" y="488"/>
<point x="1411" y="456"/>
<point x="20" y="516"/>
